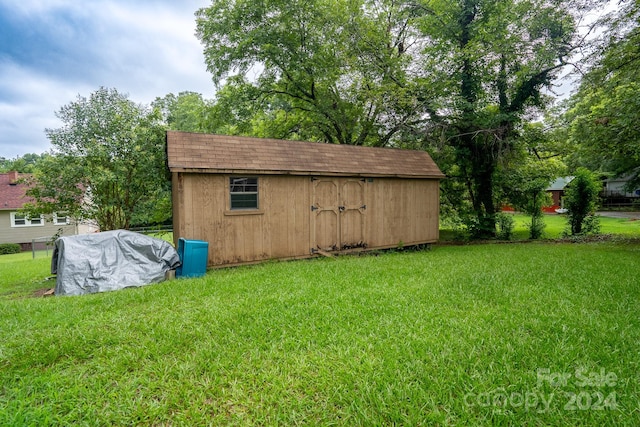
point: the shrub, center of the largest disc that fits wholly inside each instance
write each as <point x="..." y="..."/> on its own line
<point x="591" y="225"/>
<point x="537" y="226"/>
<point x="505" y="224"/>
<point x="581" y="199"/>
<point x="10" y="248"/>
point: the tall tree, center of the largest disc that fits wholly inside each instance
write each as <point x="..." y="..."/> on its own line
<point x="603" y="115"/>
<point x="495" y="58"/>
<point x="462" y="74"/>
<point x="338" y="68"/>
<point x="107" y="163"/>
<point x="187" y="111"/>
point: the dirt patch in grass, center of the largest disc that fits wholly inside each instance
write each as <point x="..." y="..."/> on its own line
<point x="45" y="292"/>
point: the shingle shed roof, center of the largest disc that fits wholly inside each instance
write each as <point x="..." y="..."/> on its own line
<point x="195" y="152"/>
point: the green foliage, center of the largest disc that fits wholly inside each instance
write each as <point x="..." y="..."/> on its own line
<point x="506" y="224"/>
<point x="536" y="227"/>
<point x="591" y="225"/>
<point x="581" y="199"/>
<point x="350" y="87"/>
<point x="602" y="116"/>
<point x="494" y="59"/>
<point x="24" y="164"/>
<point x="555" y="228"/>
<point x="107" y="163"/>
<point x="9" y="248"/>
<point x="531" y="167"/>
<point x="188" y="111"/>
<point x="455" y="78"/>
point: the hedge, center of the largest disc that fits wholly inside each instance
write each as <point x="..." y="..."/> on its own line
<point x="9" y="248"/>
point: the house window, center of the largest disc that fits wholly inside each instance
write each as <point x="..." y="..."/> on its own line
<point x="20" y="220"/>
<point x="243" y="192"/>
<point x="60" y="219"/>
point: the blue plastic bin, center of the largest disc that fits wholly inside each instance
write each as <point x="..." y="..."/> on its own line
<point x="193" y="255"/>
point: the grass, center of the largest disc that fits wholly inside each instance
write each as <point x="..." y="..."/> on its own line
<point x="557" y="224"/>
<point x="21" y="275"/>
<point x="459" y="335"/>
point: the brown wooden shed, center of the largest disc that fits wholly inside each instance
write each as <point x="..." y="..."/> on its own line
<point x="256" y="199"/>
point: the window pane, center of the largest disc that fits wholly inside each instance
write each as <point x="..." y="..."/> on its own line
<point x="242" y="185"/>
<point x="244" y="201"/>
<point x="243" y="192"/>
<point x="60" y="218"/>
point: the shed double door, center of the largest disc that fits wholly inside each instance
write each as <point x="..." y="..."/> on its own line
<point x="337" y="213"/>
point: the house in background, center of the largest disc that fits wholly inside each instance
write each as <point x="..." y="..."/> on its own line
<point x="615" y="192"/>
<point x="257" y="199"/>
<point x="17" y="228"/>
<point x="556" y="189"/>
<point x="616" y="187"/>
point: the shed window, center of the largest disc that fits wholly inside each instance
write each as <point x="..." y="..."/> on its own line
<point x="243" y="192"/>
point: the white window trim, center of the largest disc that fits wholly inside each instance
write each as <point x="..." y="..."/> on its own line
<point x="27" y="221"/>
<point x="56" y="219"/>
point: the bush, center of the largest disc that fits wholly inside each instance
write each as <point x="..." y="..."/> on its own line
<point x="537" y="226"/>
<point x="581" y="199"/>
<point x="591" y="225"/>
<point x="505" y="223"/>
<point x="10" y="248"/>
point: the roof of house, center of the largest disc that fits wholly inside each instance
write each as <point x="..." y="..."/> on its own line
<point x="11" y="192"/>
<point x="560" y="183"/>
<point x="195" y="152"/>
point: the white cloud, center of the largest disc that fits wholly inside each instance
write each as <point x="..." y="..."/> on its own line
<point x="27" y="106"/>
<point x="145" y="49"/>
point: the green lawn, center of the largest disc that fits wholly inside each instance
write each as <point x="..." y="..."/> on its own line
<point x="557" y="224"/>
<point x="520" y="334"/>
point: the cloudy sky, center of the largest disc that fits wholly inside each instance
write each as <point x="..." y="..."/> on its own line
<point x="51" y="51"/>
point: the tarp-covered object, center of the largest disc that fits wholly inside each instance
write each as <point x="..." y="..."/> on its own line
<point x="108" y="261"/>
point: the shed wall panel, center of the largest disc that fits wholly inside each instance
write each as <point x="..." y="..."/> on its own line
<point x="381" y="212"/>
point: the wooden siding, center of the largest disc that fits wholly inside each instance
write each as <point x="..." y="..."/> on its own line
<point x="299" y="214"/>
<point x="10" y="234"/>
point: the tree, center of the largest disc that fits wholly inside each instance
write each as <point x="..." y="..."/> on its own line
<point x="333" y="71"/>
<point x="457" y="77"/>
<point x="526" y="177"/>
<point x="107" y="164"/>
<point x="494" y="58"/>
<point x="188" y="111"/>
<point x="24" y="164"/>
<point x="603" y="115"/>
<point x="581" y="199"/>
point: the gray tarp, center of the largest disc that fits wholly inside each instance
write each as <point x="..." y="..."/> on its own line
<point x="109" y="261"/>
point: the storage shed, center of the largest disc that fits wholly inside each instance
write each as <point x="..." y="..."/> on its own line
<point x="256" y="199"/>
